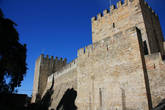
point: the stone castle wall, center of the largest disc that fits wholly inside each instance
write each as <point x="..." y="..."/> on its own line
<point x="44" y="67"/>
<point x="110" y="74"/>
<point x="36" y="79"/>
<point x="65" y="78"/>
<point x="115" y="72"/>
<point x="136" y="13"/>
<point x="156" y="72"/>
<point x="153" y="29"/>
<point x="123" y="17"/>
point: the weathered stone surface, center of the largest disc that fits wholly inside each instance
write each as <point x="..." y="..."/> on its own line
<point x="116" y="71"/>
<point x="160" y="106"/>
<point x="123" y="69"/>
<point x="44" y="67"/>
<point x="156" y="73"/>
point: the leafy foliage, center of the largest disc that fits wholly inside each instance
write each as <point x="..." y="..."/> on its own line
<point x="12" y="56"/>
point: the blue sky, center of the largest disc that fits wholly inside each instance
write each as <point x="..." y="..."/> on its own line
<point x="57" y="27"/>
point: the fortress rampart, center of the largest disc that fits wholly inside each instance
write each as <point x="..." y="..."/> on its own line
<point x="63" y="72"/>
<point x="153" y="29"/>
<point x="54" y="64"/>
<point x="111" y="22"/>
<point x="66" y="68"/>
<point x="65" y="78"/>
<point x="123" y="68"/>
<point x="105" y="43"/>
<point x="115" y="70"/>
<point x="44" y="67"/>
<point x="136" y="13"/>
<point x="114" y="9"/>
<point x="156" y="68"/>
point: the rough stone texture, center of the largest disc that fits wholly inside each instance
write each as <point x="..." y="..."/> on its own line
<point x="114" y="66"/>
<point x="44" y="67"/>
<point x="36" y="80"/>
<point x="118" y="19"/>
<point x="115" y="72"/>
<point x="63" y="79"/>
<point x="153" y="29"/>
<point x="156" y="73"/>
<point x="136" y="13"/>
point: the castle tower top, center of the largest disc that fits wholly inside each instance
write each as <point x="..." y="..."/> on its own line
<point x="110" y="22"/>
<point x="126" y="15"/>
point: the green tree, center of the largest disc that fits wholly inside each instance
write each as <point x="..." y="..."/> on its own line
<point x="12" y="56"/>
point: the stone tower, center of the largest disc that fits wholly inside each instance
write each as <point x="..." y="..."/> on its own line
<point x="125" y="15"/>
<point x="123" y="68"/>
<point x="44" y="67"/>
<point x="114" y="72"/>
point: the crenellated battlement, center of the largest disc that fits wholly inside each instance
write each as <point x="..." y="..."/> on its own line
<point x="52" y="64"/>
<point x="115" y="19"/>
<point x="115" y="8"/>
<point x="90" y="48"/>
<point x="110" y="11"/>
<point x="51" y="60"/>
<point x="151" y="10"/>
<point x="45" y="66"/>
<point x="106" y="43"/>
<point x="66" y="68"/>
<point x="124" y="61"/>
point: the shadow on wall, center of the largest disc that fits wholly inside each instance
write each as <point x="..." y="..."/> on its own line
<point x="45" y="102"/>
<point x="160" y="106"/>
<point x="68" y="100"/>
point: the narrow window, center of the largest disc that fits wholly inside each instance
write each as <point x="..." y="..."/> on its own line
<point x="113" y="25"/>
<point x="145" y="48"/>
<point x="100" y="93"/>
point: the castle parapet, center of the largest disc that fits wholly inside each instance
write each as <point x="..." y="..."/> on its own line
<point x="151" y="10"/>
<point x="118" y="6"/>
<point x="66" y="68"/>
<point x="99" y="16"/>
<point x="109" y="11"/>
<point x="112" y="7"/>
<point x="105" y="12"/>
<point x="107" y="42"/>
<point x="54" y="64"/>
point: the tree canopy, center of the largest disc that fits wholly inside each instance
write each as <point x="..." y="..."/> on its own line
<point x="12" y="56"/>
